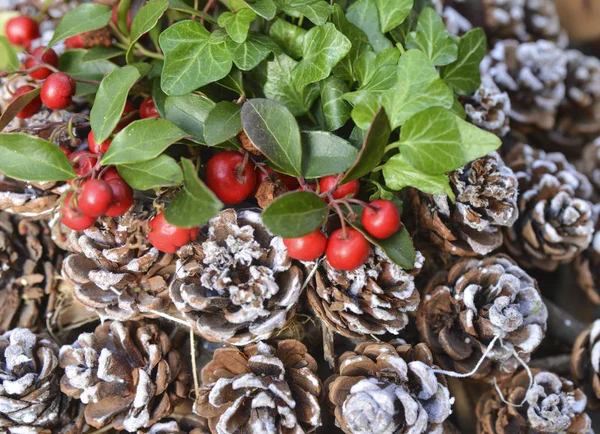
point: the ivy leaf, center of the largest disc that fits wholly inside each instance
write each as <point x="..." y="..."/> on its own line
<point x="30" y="158"/>
<point x="16" y="106"/>
<point x="365" y="16"/>
<point x="369" y="64"/>
<point x="336" y="110"/>
<point x="358" y="39"/>
<point x="252" y="51"/>
<point x="392" y="13"/>
<point x="110" y="101"/>
<point x="365" y="105"/>
<point x="264" y="8"/>
<point x="85" y="17"/>
<point x="142" y="140"/>
<point x="317" y="11"/>
<point x="237" y="24"/>
<point x="8" y="57"/>
<point x="418" y="87"/>
<point x="295" y="214"/>
<point x="463" y="75"/>
<point x="163" y="171"/>
<point x="437" y="141"/>
<point x="289" y="37"/>
<point x="399" y="173"/>
<point x="189" y="112"/>
<point x="432" y="38"/>
<point x="191" y="61"/>
<point x="144" y="21"/>
<point x="72" y="62"/>
<point x="101" y="53"/>
<point x="195" y="204"/>
<point x="325" y="154"/>
<point x="324" y="47"/>
<point x="222" y="123"/>
<point x="274" y="131"/>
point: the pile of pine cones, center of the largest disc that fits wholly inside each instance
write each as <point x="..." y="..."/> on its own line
<point x="100" y="331"/>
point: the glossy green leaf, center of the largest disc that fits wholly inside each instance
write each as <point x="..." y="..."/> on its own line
<point x="264" y="8"/>
<point x="324" y="154"/>
<point x="144" y="21"/>
<point x="463" y="75"/>
<point x="8" y="57"/>
<point x="432" y="38"/>
<point x="162" y="171"/>
<point x="316" y="11"/>
<point x="289" y="37"/>
<point x="18" y="104"/>
<point x="72" y="62"/>
<point x="336" y="111"/>
<point x="101" y="53"/>
<point x="124" y="16"/>
<point x="365" y="105"/>
<point x="237" y="24"/>
<point x="189" y="112"/>
<point x="358" y="39"/>
<point x="222" y="123"/>
<point x="392" y="13"/>
<point x="399" y="173"/>
<point x="85" y="17"/>
<point x="365" y="16"/>
<point x="295" y="214"/>
<point x="252" y="51"/>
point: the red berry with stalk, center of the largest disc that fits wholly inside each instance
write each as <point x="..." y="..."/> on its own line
<point x="306" y="248"/>
<point x="73" y="217"/>
<point x="95" y="197"/>
<point x="381" y="218"/>
<point x="38" y="57"/>
<point x="30" y="109"/>
<point x="74" y="42"/>
<point x="347" y="249"/>
<point x="58" y="90"/>
<point x="83" y="163"/>
<point x="95" y="147"/>
<point x="230" y="176"/>
<point x="349" y="189"/>
<point x="290" y="182"/>
<point x="121" y="191"/>
<point x="148" y="109"/>
<point x="167" y="237"/>
<point x="22" y="31"/>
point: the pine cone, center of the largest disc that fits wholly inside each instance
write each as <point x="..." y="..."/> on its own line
<point x="116" y="271"/>
<point x="388" y="388"/>
<point x="371" y="300"/>
<point x="126" y="373"/>
<point x="486" y="195"/>
<point x="468" y="306"/>
<point x="585" y="363"/>
<point x="30" y="397"/>
<point x="555" y="222"/>
<point x="261" y="389"/>
<point x="488" y="107"/>
<point x="589" y="165"/>
<point x="552" y="405"/>
<point x="586" y="268"/>
<point x="236" y="283"/>
<point x="455" y="14"/>
<point x="29" y="200"/>
<point x="533" y="74"/>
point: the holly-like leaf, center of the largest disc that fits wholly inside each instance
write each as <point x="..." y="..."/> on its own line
<point x="84" y="18"/>
<point x="399" y="173"/>
<point x="274" y="131"/>
<point x="237" y="24"/>
<point x="289" y="37"/>
<point x="252" y="51"/>
<point x="8" y="57"/>
<point x="142" y="140"/>
<point x="30" y="158"/>
<point x="192" y="60"/>
<point x="336" y="111"/>
<point x="222" y="123"/>
<point x="463" y="75"/>
<point x="110" y="101"/>
<point x="144" y="21"/>
<point x="325" y="154"/>
<point x="432" y="38"/>
<point x="189" y="112"/>
<point x="365" y="16"/>
<point x="195" y="204"/>
<point x="317" y="11"/>
<point x="392" y="13"/>
<point x="418" y="87"/>
<point x="358" y="39"/>
<point x="101" y="53"/>
<point x="295" y="214"/>
<point x="162" y="171"/>
<point x="16" y="106"/>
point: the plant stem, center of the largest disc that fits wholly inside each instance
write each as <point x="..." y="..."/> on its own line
<point x="118" y="34"/>
<point x="144" y="52"/>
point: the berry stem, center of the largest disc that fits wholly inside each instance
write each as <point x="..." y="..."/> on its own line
<point x="340" y="213"/>
<point x="361" y="203"/>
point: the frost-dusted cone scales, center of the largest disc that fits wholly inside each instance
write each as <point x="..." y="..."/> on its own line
<point x="489" y="107"/>
<point x="236" y="283"/>
<point x="261" y="389"/>
<point x="585" y="363"/>
<point x="589" y="165"/>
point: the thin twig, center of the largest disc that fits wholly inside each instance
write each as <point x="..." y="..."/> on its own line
<point x="194" y="367"/>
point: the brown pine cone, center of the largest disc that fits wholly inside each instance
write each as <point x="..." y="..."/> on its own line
<point x="552" y="405"/>
<point x="455" y="14"/>
<point x="555" y="222"/>
<point x="585" y="363"/>
<point x="589" y="165"/>
<point x="116" y="271"/>
<point x="388" y="388"/>
<point x="586" y="268"/>
<point x="126" y="373"/>
<point x="374" y="299"/>
<point x="465" y="308"/>
<point x="489" y="107"/>
<point x="486" y="200"/>
<point x="30" y="397"/>
<point x="261" y="389"/>
<point x="236" y="283"/>
<point x="29" y="200"/>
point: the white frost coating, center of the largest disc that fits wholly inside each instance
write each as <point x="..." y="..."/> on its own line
<point x="263" y="399"/>
<point x="144" y="391"/>
<point x="215" y="392"/>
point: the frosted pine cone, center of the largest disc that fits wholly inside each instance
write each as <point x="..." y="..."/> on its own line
<point x="388" y="388"/>
<point x="552" y="405"/>
<point x="261" y="389"/>
<point x="585" y="363"/>
<point x="456" y="15"/>
<point x="586" y="268"/>
<point x="236" y="283"/>
<point x="30" y="398"/>
<point x="555" y="222"/>
<point x="126" y="373"/>
<point x="486" y="195"/>
<point x="116" y="271"/>
<point x="488" y="107"/>
<point x="589" y="165"/>
<point x="467" y="307"/>
<point x="29" y="200"/>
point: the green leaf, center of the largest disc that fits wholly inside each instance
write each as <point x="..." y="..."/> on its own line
<point x="142" y="140"/>
<point x="317" y="11"/>
<point x="71" y="62"/>
<point x="264" y="8"/>
<point x="222" y="123"/>
<point x="418" y="87"/>
<point x="336" y="110"/>
<point x="144" y="21"/>
<point x="324" y="47"/>
<point x="16" y="106"/>
<point x="392" y="13"/>
<point x="124" y="16"/>
<point x="191" y="61"/>
<point x="373" y="148"/>
<point x="101" y="53"/>
<point x="289" y="37"/>
<point x="237" y="24"/>
<point x="110" y="101"/>
<point x="159" y="97"/>
<point x="234" y="81"/>
<point x="5" y="16"/>
<point x="30" y="158"/>
<point x="195" y="204"/>
<point x="432" y="38"/>
<point x="274" y="131"/>
<point x="365" y="105"/>
<point x="251" y="52"/>
<point x="358" y="39"/>
<point x="85" y="17"/>
<point x="399" y="173"/>
<point x="365" y="16"/>
<point x="8" y="57"/>
<point x="463" y="75"/>
<point x="436" y="141"/>
<point x="189" y="112"/>
<point x="325" y="154"/>
<point x="295" y="214"/>
<point x="160" y="172"/>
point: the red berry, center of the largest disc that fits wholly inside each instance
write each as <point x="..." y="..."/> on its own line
<point x="347" y="251"/>
<point x="38" y="57"/>
<point x="30" y="109"/>
<point x="95" y="197"/>
<point x="74" y="42"/>
<point x="74" y="218"/>
<point x="148" y="109"/>
<point x="348" y="189"/>
<point x="122" y="197"/>
<point x="129" y="107"/>
<point x="58" y="90"/>
<point x="381" y="219"/>
<point x="290" y="182"/>
<point x="82" y="162"/>
<point x="110" y="173"/>
<point x="94" y="147"/>
<point x="65" y="150"/>
<point x="22" y="30"/>
<point x="115" y="17"/>
<point x="306" y="248"/>
<point x="167" y="237"/>
<point x="226" y="178"/>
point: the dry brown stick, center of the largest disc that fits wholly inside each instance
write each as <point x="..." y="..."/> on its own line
<point x="562" y="325"/>
<point x="560" y="364"/>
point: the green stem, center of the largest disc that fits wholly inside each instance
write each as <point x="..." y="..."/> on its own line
<point x="118" y="34"/>
<point x="145" y="52"/>
<point x="312" y="118"/>
<point x="388" y="148"/>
